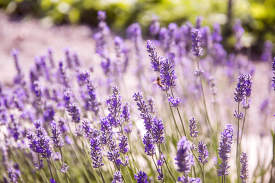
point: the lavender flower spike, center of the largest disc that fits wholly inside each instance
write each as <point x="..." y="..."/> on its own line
<point x="243" y="88"/>
<point x="167" y="73"/>
<point x="225" y="149"/>
<point x="193" y="128"/>
<point x="244" y="171"/>
<point x="153" y="55"/>
<point x="174" y="101"/>
<point x="96" y="153"/>
<point x="184" y="158"/>
<point x="117" y="177"/>
<point x="197" y="42"/>
<point x="203" y="153"/>
<point x="141" y="177"/>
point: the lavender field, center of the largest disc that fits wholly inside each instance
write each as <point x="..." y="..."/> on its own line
<point x="82" y="106"/>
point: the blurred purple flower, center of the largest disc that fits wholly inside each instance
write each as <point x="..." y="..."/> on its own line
<point x="117" y="177"/>
<point x="193" y="128"/>
<point x="244" y="167"/>
<point x="141" y="177"/>
<point x="155" y="62"/>
<point x="203" y="152"/>
<point x="148" y="142"/>
<point x="225" y="149"/>
<point x="197" y="42"/>
<point x="158" y="131"/>
<point x="267" y="51"/>
<point x="184" y="158"/>
<point x="174" y="101"/>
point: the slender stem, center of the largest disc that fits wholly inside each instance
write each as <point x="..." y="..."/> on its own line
<point x="203" y="174"/>
<point x="237" y="149"/>
<point x="197" y="160"/>
<point x="244" y="118"/>
<point x="175" y="122"/>
<point x="156" y="165"/>
<point x="181" y="121"/>
<point x="49" y="166"/>
<point x="101" y="175"/>
<point x="203" y="97"/>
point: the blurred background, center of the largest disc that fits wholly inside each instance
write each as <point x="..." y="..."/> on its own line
<point x="257" y="16"/>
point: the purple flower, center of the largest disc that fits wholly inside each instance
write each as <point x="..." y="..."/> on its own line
<point x="106" y="65"/>
<point x="48" y="113"/>
<point x="148" y="142"/>
<point x="267" y="52"/>
<point x="244" y="167"/>
<point x="198" y="22"/>
<point x="50" y="57"/>
<point x="186" y="179"/>
<point x="161" y="160"/>
<point x="144" y="111"/>
<point x="101" y="15"/>
<point x="218" y="53"/>
<point x="117" y="177"/>
<point x="96" y="152"/>
<point x="52" y="180"/>
<point x="203" y="152"/>
<point x="238" y="30"/>
<point x="56" y="135"/>
<point x="114" y="107"/>
<point x="167" y="73"/>
<point x="15" y="58"/>
<point x="193" y="128"/>
<point x="141" y="177"/>
<point x="174" y="101"/>
<point x="158" y="131"/>
<point x="243" y="88"/>
<point x="14" y="173"/>
<point x="154" y="27"/>
<point x="40" y="143"/>
<point x="225" y="149"/>
<point x="155" y="62"/>
<point x="197" y="42"/>
<point x="74" y="112"/>
<point x="184" y="158"/>
<point x="123" y="144"/>
<point x="61" y="75"/>
<point x="216" y="35"/>
<point x="68" y="58"/>
<point x="90" y="100"/>
<point x="205" y="32"/>
<point x="125" y="113"/>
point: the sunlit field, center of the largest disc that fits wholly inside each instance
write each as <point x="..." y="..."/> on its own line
<point x="83" y="106"/>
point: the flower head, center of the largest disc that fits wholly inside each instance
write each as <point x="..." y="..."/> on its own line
<point x="167" y="73"/>
<point x="203" y="152"/>
<point x="184" y="158"/>
<point x="244" y="167"/>
<point x="117" y="177"/>
<point x="141" y="177"/>
<point x="193" y="128"/>
<point x="225" y="149"/>
<point x="197" y="42"/>
<point x="155" y="60"/>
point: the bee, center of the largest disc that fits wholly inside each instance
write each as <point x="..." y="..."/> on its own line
<point x="158" y="82"/>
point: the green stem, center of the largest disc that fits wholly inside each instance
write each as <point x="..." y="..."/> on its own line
<point x="237" y="149"/>
<point x="203" y="98"/>
<point x="181" y="121"/>
<point x="175" y="122"/>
